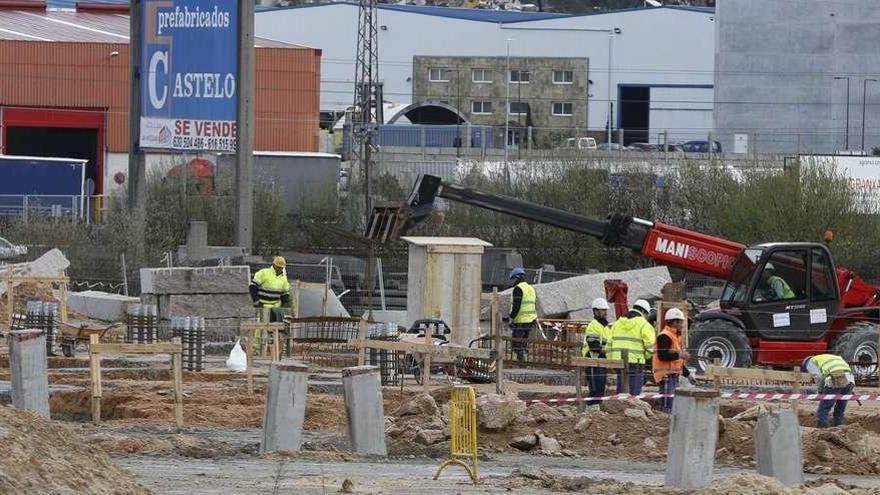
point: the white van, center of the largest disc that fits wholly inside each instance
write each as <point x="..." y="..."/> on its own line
<point x="581" y="143"/>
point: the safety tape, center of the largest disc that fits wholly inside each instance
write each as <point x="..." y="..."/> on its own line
<point x="724" y="395"/>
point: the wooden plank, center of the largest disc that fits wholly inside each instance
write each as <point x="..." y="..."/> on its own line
<point x="437" y="350"/>
<point x="157" y="348"/>
<point x="177" y="380"/>
<point x="579" y="389"/>
<point x="362" y="338"/>
<point x="276" y="345"/>
<point x="756" y="374"/>
<point x="582" y="362"/>
<point x="624" y="374"/>
<point x="248" y="325"/>
<point x="249" y="338"/>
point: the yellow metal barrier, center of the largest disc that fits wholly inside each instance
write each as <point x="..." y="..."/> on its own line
<point x="463" y="430"/>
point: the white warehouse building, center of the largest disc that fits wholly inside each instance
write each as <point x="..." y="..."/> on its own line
<point x="657" y="61"/>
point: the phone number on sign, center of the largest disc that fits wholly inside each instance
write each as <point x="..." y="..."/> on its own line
<point x="204" y="143"/>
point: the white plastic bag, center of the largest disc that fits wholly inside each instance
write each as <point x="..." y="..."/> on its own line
<point x="237" y="359"/>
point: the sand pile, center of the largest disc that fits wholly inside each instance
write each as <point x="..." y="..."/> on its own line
<point x="39" y="456"/>
<point x="733" y="485"/>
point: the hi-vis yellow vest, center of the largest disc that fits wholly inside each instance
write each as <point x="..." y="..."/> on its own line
<point x="598" y="331"/>
<point x="528" y="311"/>
<point x="829" y="365"/>
<point x="270" y="287"/>
<point x="635" y="335"/>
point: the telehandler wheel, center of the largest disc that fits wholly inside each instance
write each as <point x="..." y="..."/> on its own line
<point x="857" y="344"/>
<point x="718" y="339"/>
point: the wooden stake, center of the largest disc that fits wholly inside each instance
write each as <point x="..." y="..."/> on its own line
<point x="499" y="342"/>
<point x="95" y="378"/>
<point x="177" y="382"/>
<point x="276" y="345"/>
<point x="426" y="359"/>
<point x="250" y="359"/>
<point x="624" y="373"/>
<point x="578" y="389"/>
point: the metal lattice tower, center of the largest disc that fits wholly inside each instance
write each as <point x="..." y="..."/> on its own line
<point x="367" y="109"/>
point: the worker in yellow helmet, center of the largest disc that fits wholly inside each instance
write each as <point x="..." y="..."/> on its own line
<point x="271" y="289"/>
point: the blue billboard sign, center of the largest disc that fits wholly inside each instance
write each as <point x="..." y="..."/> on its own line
<point x="187" y="75"/>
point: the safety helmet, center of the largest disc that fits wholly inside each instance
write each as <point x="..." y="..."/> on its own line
<point x="517" y="273"/>
<point x="645" y="306"/>
<point x="674" y="314"/>
<point x="600" y="303"/>
<point x="804" y="363"/>
<point x="279" y="261"/>
<point x="770" y="267"/>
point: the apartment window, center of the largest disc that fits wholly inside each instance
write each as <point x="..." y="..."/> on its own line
<point x="481" y="75"/>
<point x="520" y="76"/>
<point x="481" y="107"/>
<point x="563" y="77"/>
<point x="562" y="109"/>
<point x="519" y="108"/>
<point x="439" y="74"/>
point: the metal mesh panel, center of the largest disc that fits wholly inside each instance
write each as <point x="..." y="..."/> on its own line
<point x="191" y="331"/>
<point x="142" y="324"/>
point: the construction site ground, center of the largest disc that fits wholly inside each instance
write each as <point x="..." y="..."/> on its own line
<point x="601" y="451"/>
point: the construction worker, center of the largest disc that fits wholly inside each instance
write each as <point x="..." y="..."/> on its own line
<point x="632" y="333"/>
<point x="595" y="339"/>
<point x="669" y="358"/>
<point x="775" y="287"/>
<point x="523" y="311"/>
<point x="833" y="376"/>
<point x="271" y="289"/>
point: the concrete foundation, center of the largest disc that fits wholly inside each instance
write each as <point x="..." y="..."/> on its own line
<point x="693" y="433"/>
<point x="363" y="406"/>
<point x="28" y="371"/>
<point x="285" y="407"/>
<point x="208" y="280"/>
<point x="778" y="446"/>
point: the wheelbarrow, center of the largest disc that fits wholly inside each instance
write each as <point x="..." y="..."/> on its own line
<point x="74" y="332"/>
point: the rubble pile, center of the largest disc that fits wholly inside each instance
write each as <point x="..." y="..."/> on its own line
<point x="41" y="456"/>
<point x="419" y="426"/>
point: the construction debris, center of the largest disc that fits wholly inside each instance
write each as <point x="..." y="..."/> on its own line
<point x="99" y="305"/>
<point x="51" y="264"/>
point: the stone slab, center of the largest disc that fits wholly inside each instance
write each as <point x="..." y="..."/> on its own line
<point x="364" y="410"/>
<point x="311" y="299"/>
<point x="99" y="305"/>
<point x="778" y="446"/>
<point x="214" y="306"/>
<point x="187" y="280"/>
<point x="571" y="297"/>
<point x="52" y="263"/>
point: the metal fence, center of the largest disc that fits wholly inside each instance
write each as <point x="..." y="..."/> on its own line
<point x="30" y="206"/>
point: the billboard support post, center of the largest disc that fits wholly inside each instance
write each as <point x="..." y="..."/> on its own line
<point x="137" y="176"/>
<point x="244" y="143"/>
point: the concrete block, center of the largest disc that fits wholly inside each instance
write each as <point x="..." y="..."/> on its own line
<point x="207" y="280"/>
<point x="205" y="305"/>
<point x="571" y="297"/>
<point x="778" y="446"/>
<point x="28" y="371"/>
<point x="362" y="390"/>
<point x="311" y="299"/>
<point x="197" y="241"/>
<point x="100" y="305"/>
<point x="285" y="407"/>
<point x="693" y="433"/>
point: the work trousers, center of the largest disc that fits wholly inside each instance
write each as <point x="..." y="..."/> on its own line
<point x="520" y="332"/>
<point x="826" y="406"/>
<point x="667" y="387"/>
<point x="596" y="380"/>
<point x="636" y="379"/>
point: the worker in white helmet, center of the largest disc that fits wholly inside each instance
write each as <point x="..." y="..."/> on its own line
<point x="595" y="339"/>
<point x="633" y="336"/>
<point x="670" y="360"/>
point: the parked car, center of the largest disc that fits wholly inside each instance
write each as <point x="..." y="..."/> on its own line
<point x="701" y="147"/>
<point x="581" y="143"/>
<point x="643" y="147"/>
<point x="612" y="147"/>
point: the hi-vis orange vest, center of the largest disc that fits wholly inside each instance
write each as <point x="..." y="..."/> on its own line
<point x="663" y="368"/>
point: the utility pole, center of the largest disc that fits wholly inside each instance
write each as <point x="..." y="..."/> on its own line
<point x="137" y="176"/>
<point x="846" y="146"/>
<point x="244" y="137"/>
<point x="864" y="107"/>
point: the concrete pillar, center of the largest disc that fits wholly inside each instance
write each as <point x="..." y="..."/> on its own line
<point x="197" y="241"/>
<point x="693" y="433"/>
<point x="363" y="407"/>
<point x="28" y="371"/>
<point x="778" y="446"/>
<point x="285" y="407"/>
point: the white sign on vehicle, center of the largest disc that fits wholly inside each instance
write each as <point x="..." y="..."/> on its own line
<point x="818" y="316"/>
<point x="781" y="320"/>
